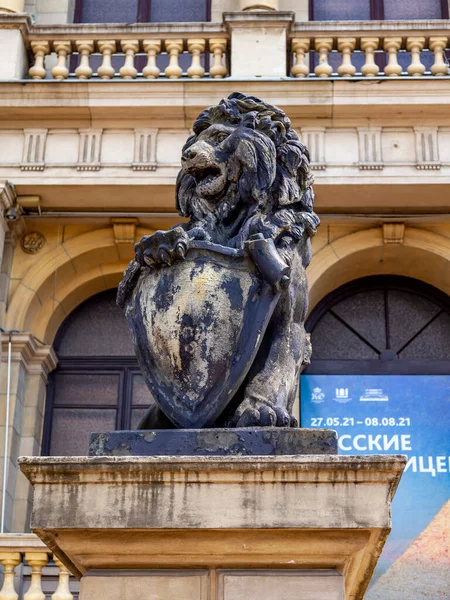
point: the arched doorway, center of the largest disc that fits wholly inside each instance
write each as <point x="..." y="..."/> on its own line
<point x="97" y="385"/>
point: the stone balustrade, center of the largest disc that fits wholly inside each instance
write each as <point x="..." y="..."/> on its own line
<point x="240" y="47"/>
<point x="369" y="49"/>
<point x="127" y="52"/>
<point x="26" y="550"/>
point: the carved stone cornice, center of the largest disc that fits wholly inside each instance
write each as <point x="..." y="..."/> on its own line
<point x="37" y="358"/>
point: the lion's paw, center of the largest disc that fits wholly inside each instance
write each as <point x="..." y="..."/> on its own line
<point x="253" y="412"/>
<point x="162" y="247"/>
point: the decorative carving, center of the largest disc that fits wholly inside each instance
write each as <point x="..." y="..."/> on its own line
<point x="427" y="149"/>
<point x="314" y="138"/>
<point x="124" y="230"/>
<point x="145" y="150"/>
<point x="216" y="306"/>
<point x="370" y="158"/>
<point x="34" y="150"/>
<point x="32" y="242"/>
<point x="393" y="233"/>
<point x="89" y="149"/>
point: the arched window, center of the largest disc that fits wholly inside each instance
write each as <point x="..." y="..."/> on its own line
<point x="381" y="324"/>
<point x="97" y="385"/>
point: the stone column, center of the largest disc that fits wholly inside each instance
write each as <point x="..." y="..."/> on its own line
<point x="12" y="6"/>
<point x="31" y="362"/>
<point x="259" y="42"/>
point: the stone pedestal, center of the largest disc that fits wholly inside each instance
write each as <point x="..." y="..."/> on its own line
<point x="259" y="42"/>
<point x="228" y="528"/>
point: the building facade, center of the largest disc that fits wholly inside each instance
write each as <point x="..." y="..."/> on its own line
<point x="96" y="100"/>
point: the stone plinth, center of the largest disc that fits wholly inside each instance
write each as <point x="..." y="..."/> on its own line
<point x="229" y="528"/>
<point x="247" y="441"/>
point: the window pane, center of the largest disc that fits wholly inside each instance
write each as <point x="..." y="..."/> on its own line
<point x="140" y="393"/>
<point x="405" y="9"/>
<point x="109" y="11"/>
<point x="136" y="415"/>
<point x="408" y="313"/>
<point x="165" y="11"/>
<point x="333" y="340"/>
<point x="81" y="388"/>
<point x="365" y="313"/>
<point x="432" y="343"/>
<point x="95" y="328"/>
<point x="341" y="10"/>
<point x="71" y="429"/>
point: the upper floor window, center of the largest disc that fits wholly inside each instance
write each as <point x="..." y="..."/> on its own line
<point x="364" y="10"/>
<point x="141" y="11"/>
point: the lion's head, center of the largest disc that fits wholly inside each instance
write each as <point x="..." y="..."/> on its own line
<point x="243" y="159"/>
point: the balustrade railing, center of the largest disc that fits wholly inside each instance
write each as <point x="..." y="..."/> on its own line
<point x="28" y="552"/>
<point x="151" y="51"/>
<point x="369" y="49"/>
<point x="127" y="52"/>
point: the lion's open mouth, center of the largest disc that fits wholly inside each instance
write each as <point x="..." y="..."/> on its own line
<point x="205" y="175"/>
<point x="210" y="180"/>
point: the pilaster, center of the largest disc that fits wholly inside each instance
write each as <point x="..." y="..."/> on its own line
<point x="30" y="364"/>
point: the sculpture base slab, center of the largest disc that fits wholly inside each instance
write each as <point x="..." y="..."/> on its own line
<point x="215" y="527"/>
<point x="251" y="441"/>
<point x="269" y="584"/>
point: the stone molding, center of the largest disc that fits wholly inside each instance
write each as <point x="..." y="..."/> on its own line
<point x="310" y="469"/>
<point x="35" y="357"/>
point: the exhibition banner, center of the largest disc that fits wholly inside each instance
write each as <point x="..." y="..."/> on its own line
<point x="397" y="414"/>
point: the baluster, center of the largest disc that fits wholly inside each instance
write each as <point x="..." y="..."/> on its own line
<point x="40" y="49"/>
<point x="369" y="45"/>
<point x="37" y="561"/>
<point x="300" y="47"/>
<point x="63" y="590"/>
<point x="392" y="46"/>
<point x="438" y="46"/>
<point x="60" y="71"/>
<point x="323" y="46"/>
<point x="218" y="46"/>
<point x="9" y="560"/>
<point x="152" y="48"/>
<point x="174" y="47"/>
<point x="85" y="49"/>
<point x="415" y="46"/>
<point x="129" y="47"/>
<point x="107" y="48"/>
<point x="196" y="47"/>
<point x="346" y="46"/>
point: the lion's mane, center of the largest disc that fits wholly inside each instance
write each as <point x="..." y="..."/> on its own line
<point x="279" y="190"/>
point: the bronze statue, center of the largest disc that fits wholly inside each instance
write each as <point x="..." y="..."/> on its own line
<point x="216" y="306"/>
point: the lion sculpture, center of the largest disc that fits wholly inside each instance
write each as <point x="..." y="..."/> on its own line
<point x="245" y="172"/>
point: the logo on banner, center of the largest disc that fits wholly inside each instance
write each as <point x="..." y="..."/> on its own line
<point x="342" y="395"/>
<point x="374" y="395"/>
<point x="317" y="395"/>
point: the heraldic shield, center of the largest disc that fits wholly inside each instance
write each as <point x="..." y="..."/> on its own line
<point x="197" y="326"/>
